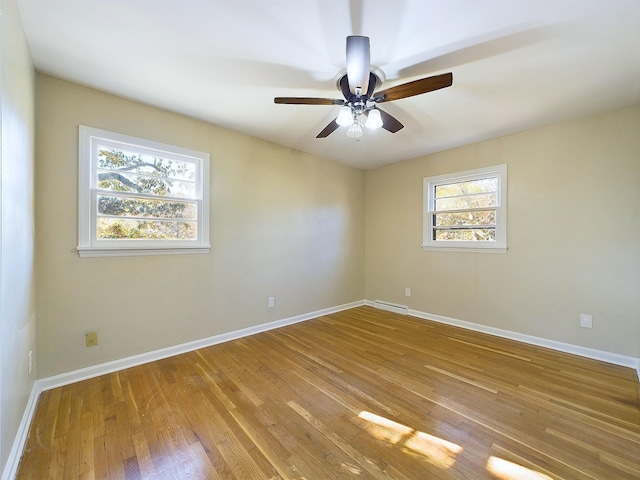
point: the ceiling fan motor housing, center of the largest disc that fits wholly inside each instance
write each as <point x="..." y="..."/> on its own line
<point x="357" y="100"/>
<point x="376" y="79"/>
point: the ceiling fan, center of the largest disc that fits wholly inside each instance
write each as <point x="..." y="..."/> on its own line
<point x="358" y="84"/>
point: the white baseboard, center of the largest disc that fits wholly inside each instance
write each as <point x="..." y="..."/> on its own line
<point x="62" y="379"/>
<point x="594" y="354"/>
<point x="11" y="467"/>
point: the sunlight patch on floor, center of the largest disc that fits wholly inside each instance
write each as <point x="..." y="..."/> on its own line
<point x="504" y="470"/>
<point x="438" y="451"/>
<point x="353" y="469"/>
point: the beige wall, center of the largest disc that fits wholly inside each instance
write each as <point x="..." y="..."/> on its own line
<point x="573" y="236"/>
<point x="291" y="225"/>
<point x="17" y="304"/>
<point x="283" y="224"/>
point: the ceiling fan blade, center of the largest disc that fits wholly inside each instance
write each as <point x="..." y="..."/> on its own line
<point x="389" y="122"/>
<point x="328" y="130"/>
<point x="358" y="63"/>
<point x="416" y="87"/>
<point x="308" y="101"/>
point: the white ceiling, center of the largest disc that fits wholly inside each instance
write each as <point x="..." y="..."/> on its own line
<point x="516" y="64"/>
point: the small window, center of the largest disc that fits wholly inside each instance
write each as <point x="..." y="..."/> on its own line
<point x="138" y="197"/>
<point x="466" y="210"/>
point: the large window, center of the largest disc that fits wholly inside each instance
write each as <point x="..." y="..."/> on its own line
<point x="466" y="210"/>
<point x="138" y="197"/>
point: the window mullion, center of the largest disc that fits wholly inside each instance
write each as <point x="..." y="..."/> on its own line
<point x="146" y="196"/>
<point x="466" y="210"/>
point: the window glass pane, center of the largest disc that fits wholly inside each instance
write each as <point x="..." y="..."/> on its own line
<point x="482" y="185"/>
<point x="145" y="208"/>
<point x="122" y="160"/>
<point x="120" y="181"/>
<point x="479" y="217"/>
<point x="133" y="229"/>
<point x="482" y="200"/>
<point x="465" y="234"/>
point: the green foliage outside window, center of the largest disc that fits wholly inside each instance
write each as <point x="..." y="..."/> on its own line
<point x="145" y="197"/>
<point x="467" y="211"/>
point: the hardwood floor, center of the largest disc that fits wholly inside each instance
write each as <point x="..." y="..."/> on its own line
<point x="358" y="394"/>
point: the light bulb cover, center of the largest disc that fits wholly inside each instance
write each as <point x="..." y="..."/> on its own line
<point x="345" y="117"/>
<point x="374" y="120"/>
<point x="355" y="131"/>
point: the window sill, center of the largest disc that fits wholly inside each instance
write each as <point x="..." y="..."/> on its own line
<point x="141" y="251"/>
<point x="466" y="249"/>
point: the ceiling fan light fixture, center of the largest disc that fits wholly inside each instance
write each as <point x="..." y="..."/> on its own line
<point x="374" y="120"/>
<point x="355" y="131"/>
<point x="359" y="83"/>
<point x="345" y="117"/>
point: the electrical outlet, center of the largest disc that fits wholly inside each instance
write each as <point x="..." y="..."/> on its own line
<point x="586" y="321"/>
<point x="407" y="292"/>
<point x="91" y="339"/>
<point x="271" y="302"/>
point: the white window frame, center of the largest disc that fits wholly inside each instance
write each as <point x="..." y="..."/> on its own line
<point x="429" y="185"/>
<point x="88" y="243"/>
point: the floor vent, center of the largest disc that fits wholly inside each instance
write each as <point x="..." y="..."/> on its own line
<point x="391" y="307"/>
